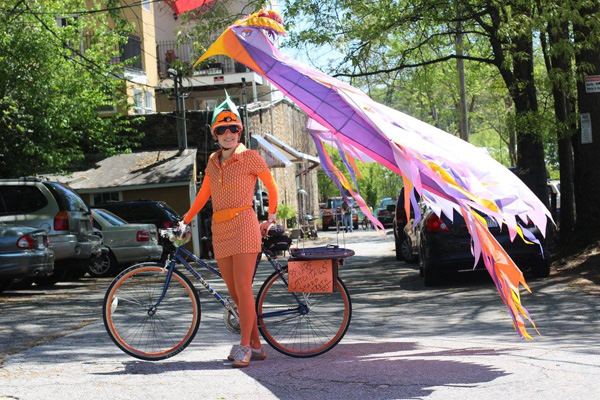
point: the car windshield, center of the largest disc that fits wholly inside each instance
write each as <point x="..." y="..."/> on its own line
<point x="109" y="217"/>
<point x="386" y="202"/>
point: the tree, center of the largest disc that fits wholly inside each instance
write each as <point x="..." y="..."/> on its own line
<point x="53" y="81"/>
<point x="389" y="36"/>
<point x="586" y="142"/>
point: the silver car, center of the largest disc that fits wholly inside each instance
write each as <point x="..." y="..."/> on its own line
<point x="127" y="243"/>
<point x="57" y="209"/>
<point x="24" y="253"/>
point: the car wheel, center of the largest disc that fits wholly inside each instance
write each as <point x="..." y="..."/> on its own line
<point x="56" y="276"/>
<point x="399" y="256"/>
<point x="5" y="284"/>
<point x="22" y="283"/>
<point x="430" y="277"/>
<point x="103" y="266"/>
<point x="406" y="249"/>
<point x="541" y="268"/>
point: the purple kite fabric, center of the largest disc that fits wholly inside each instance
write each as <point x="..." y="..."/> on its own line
<point x="448" y="173"/>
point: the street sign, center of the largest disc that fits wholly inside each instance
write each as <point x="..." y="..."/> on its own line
<point x="592" y="84"/>
<point x="586" y="128"/>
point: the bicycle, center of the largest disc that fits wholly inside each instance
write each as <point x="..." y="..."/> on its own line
<point x="152" y="311"/>
<point x="366" y="223"/>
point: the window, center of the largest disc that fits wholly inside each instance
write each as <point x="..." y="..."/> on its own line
<point x="146" y="5"/>
<point x="109" y="217"/>
<point x="67" y="198"/>
<point x="106" y="197"/>
<point x="138" y="101"/>
<point x="144" y="212"/>
<point x="133" y="50"/>
<point x="22" y="199"/>
<point x="148" y="102"/>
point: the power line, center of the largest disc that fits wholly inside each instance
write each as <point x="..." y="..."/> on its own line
<point x="63" y="13"/>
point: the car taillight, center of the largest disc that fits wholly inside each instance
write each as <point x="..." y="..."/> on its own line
<point x="26" y="242"/>
<point x="384" y="212"/>
<point x="143" y="236"/>
<point x="61" y="221"/>
<point x="435" y="224"/>
<point x="168" y="224"/>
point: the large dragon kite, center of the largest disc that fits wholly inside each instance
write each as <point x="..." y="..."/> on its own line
<point x="449" y="173"/>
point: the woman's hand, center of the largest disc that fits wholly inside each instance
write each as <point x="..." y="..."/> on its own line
<point x="264" y="227"/>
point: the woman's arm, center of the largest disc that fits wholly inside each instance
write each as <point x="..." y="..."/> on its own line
<point x="201" y="199"/>
<point x="271" y="186"/>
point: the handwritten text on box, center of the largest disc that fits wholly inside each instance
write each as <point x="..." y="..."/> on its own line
<point x="310" y="276"/>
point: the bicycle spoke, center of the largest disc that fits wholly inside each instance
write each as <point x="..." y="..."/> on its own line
<point x="303" y="335"/>
<point x="140" y="328"/>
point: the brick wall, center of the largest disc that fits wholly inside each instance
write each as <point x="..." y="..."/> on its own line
<point x="288" y="123"/>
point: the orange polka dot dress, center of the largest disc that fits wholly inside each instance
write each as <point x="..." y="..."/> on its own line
<point x="231" y="185"/>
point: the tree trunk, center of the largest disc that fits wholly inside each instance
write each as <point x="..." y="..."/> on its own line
<point x="530" y="150"/>
<point x="587" y="147"/>
<point x="560" y="64"/>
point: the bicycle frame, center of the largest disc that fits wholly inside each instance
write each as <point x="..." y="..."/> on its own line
<point x="177" y="257"/>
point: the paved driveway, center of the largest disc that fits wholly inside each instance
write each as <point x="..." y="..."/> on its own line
<point x="406" y="341"/>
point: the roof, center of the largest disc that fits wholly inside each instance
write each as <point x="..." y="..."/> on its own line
<point x="279" y="154"/>
<point x="135" y="169"/>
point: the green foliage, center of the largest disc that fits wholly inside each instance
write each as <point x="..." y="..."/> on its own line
<point x="52" y="82"/>
<point x="402" y="52"/>
<point x="376" y="182"/>
<point x="287" y="213"/>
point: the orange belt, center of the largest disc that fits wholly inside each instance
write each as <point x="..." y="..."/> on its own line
<point x="228" y="213"/>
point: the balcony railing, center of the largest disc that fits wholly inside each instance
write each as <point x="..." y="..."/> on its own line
<point x="131" y="50"/>
<point x="171" y="52"/>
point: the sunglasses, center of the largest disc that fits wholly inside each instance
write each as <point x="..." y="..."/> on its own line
<point x="222" y="129"/>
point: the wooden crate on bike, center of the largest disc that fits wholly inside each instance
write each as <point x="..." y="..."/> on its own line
<point x="315" y="269"/>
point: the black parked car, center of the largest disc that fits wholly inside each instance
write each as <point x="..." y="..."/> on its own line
<point x="144" y="212"/>
<point x="444" y="247"/>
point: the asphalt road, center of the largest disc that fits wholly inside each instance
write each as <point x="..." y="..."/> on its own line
<point x="405" y="341"/>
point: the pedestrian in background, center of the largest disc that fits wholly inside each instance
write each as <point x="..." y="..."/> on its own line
<point x="347" y="216"/>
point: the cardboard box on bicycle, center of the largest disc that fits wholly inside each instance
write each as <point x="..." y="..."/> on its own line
<point x="312" y="276"/>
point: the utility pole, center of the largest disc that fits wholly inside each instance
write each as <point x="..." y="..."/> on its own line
<point x="460" y="65"/>
<point x="181" y="126"/>
<point x="245" y="104"/>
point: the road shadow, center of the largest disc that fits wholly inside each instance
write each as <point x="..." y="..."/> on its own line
<point x="388" y="370"/>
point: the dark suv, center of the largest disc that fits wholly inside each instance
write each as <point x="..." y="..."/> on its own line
<point x="144" y="212"/>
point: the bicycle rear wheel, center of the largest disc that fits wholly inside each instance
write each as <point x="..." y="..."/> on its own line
<point x="138" y="331"/>
<point x="298" y="334"/>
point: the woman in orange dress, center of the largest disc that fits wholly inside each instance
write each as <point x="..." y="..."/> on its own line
<point x="230" y="180"/>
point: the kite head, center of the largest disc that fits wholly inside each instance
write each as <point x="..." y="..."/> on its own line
<point x="245" y="31"/>
<point x="267" y="20"/>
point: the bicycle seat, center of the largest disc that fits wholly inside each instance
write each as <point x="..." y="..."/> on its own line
<point x="320" y="253"/>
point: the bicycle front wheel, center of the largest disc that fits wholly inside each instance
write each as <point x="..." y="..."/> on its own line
<point x="138" y="329"/>
<point x="302" y="334"/>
